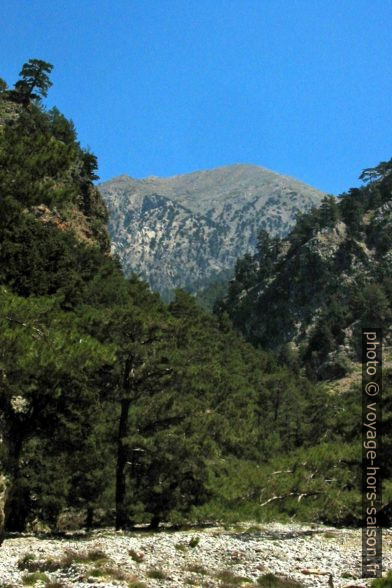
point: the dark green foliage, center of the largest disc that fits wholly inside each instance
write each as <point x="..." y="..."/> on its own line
<point x="156" y="574"/>
<point x="329" y="212"/>
<point x="329" y="277"/>
<point x="61" y="264"/>
<point x="383" y="582"/>
<point x="383" y="171"/>
<point x="90" y="165"/>
<point x="61" y="128"/>
<point x="116" y="407"/>
<point x="48" y="400"/>
<point x="35" y="165"/>
<point x="267" y="254"/>
<point x="32" y="579"/>
<point x="307" y="224"/>
<point x="34" y="78"/>
<point x="214" y="289"/>
<point x="3" y="86"/>
<point x="352" y="209"/>
<point x="245" y="272"/>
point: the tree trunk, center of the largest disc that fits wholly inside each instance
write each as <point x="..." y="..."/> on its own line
<point x="3" y="497"/>
<point x="121" y="515"/>
<point x="16" y="503"/>
<point x="89" y="518"/>
<point x="154" y="524"/>
<point x="16" y="508"/>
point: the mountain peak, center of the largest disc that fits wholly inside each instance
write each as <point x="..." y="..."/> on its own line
<point x="184" y="229"/>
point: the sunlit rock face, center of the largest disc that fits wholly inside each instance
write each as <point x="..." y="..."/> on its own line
<point x="184" y="230"/>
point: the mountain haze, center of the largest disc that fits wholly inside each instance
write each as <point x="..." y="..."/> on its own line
<point x="183" y="230"/>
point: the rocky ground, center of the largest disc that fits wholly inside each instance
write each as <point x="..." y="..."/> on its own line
<point x="211" y="557"/>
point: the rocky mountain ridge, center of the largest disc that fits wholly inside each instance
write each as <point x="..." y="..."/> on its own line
<point x="326" y="280"/>
<point x="182" y="231"/>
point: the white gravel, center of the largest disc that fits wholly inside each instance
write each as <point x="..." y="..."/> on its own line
<point x="307" y="554"/>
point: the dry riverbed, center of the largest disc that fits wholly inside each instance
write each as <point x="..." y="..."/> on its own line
<point x="296" y="555"/>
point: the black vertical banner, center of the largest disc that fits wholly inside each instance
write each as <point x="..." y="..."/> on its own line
<point x="371" y="452"/>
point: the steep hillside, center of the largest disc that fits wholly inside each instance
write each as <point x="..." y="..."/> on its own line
<point x="117" y="409"/>
<point x="181" y="231"/>
<point x="62" y="194"/>
<point x="328" y="278"/>
<point x="97" y="374"/>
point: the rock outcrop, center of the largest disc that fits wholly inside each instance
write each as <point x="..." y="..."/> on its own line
<point x="184" y="230"/>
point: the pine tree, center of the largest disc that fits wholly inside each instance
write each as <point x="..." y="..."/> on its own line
<point x="268" y="249"/>
<point x="47" y="369"/>
<point x="35" y="81"/>
<point x="3" y="87"/>
<point x="329" y="212"/>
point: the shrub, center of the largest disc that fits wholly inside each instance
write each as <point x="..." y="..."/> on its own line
<point x="272" y="581"/>
<point x="31" y="579"/>
<point x="194" y="542"/>
<point x="229" y="579"/>
<point x="197" y="569"/>
<point x="385" y="582"/>
<point x="157" y="575"/>
<point x="27" y="562"/>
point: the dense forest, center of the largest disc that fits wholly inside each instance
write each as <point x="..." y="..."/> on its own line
<point x="309" y="295"/>
<point x="118" y="409"/>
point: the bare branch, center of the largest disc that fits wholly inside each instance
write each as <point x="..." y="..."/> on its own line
<point x="283" y="496"/>
<point x="282" y="472"/>
<point x="13" y="320"/>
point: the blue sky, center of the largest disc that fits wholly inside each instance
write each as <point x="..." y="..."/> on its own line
<point x="162" y="87"/>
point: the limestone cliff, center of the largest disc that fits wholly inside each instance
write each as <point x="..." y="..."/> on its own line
<point x="184" y="230"/>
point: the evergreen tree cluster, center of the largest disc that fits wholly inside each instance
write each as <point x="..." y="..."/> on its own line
<point x="316" y="288"/>
<point x="113" y="404"/>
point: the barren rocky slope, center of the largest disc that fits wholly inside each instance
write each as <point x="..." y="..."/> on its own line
<point x="180" y="231"/>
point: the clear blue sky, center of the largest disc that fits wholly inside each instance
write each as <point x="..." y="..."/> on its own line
<point x="162" y="87"/>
